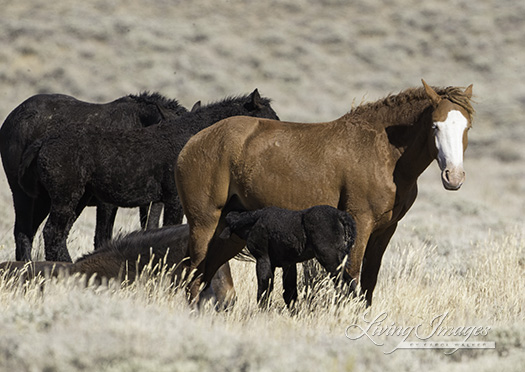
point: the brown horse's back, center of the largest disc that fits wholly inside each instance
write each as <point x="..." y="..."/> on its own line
<point x="290" y="165"/>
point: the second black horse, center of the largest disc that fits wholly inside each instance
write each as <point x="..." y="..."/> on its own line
<point x="127" y="169"/>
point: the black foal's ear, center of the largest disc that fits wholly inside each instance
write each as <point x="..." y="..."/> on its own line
<point x="226" y="233"/>
<point x="162" y="111"/>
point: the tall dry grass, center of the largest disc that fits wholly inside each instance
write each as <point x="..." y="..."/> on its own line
<point x="63" y="325"/>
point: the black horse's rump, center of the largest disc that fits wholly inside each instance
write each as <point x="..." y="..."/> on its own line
<point x="127" y="169"/>
<point x="278" y="237"/>
<point x="45" y="115"/>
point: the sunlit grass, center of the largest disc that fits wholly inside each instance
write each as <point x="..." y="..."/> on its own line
<point x="410" y="291"/>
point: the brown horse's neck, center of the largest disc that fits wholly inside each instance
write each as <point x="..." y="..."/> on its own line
<point x="415" y="155"/>
<point x="406" y="120"/>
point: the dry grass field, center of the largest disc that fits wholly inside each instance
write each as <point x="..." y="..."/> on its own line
<point x="457" y="257"/>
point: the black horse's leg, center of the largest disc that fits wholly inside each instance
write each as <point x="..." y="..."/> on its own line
<point x="143" y="215"/>
<point x="290" y="284"/>
<point x="150" y="215"/>
<point x="41" y="209"/>
<point x="106" y="214"/>
<point x="178" y="213"/>
<point x="265" y="275"/>
<point x="372" y="261"/>
<point x="56" y="230"/>
<point x="173" y="213"/>
<point x="23" y="229"/>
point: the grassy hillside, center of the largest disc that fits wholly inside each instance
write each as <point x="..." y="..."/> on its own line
<point x="459" y="253"/>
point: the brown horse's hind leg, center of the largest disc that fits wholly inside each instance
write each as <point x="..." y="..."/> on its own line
<point x="219" y="253"/>
<point x="199" y="239"/>
<point x="222" y="285"/>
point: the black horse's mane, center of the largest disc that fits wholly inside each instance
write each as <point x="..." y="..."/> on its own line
<point x="129" y="246"/>
<point x="229" y="100"/>
<point x="156" y="98"/>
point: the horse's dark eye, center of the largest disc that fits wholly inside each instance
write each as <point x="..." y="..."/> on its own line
<point x="434" y="127"/>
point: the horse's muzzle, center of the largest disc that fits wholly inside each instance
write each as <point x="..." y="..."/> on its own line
<point x="453" y="178"/>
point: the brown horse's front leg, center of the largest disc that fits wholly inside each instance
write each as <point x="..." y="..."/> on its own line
<point x="357" y="252"/>
<point x="372" y="260"/>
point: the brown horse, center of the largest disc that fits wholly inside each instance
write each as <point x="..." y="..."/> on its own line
<point x="367" y="163"/>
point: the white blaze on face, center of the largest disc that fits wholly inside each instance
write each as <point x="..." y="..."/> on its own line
<point x="449" y="140"/>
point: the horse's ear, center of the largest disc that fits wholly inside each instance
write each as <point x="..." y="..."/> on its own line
<point x="162" y="111"/>
<point x="468" y="91"/>
<point x="226" y="233"/>
<point x="196" y="106"/>
<point x="434" y="97"/>
<point x="256" y="99"/>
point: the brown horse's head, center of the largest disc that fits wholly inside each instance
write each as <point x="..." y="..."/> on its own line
<point x="451" y="120"/>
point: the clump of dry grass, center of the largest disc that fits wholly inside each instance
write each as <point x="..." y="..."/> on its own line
<point x="148" y="325"/>
<point x="489" y="289"/>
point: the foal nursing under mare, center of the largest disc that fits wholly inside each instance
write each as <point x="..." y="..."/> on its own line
<point x="367" y="163"/>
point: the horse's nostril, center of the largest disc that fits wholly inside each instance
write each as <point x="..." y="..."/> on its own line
<point x="447" y="175"/>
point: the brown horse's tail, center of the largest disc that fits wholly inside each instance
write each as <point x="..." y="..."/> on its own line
<point x="27" y="171"/>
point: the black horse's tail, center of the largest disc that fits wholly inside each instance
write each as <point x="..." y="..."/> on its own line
<point x="348" y="223"/>
<point x="27" y="172"/>
<point x="349" y="235"/>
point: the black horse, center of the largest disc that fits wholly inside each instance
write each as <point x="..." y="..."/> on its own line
<point x="43" y="114"/>
<point x="127" y="169"/>
<point x="127" y="256"/>
<point x="279" y="237"/>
